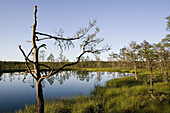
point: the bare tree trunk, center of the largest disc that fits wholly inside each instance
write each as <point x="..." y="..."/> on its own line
<point x="135" y="69"/>
<point x="40" y="98"/>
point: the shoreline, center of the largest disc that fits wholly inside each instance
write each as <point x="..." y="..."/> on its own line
<point x="74" y="69"/>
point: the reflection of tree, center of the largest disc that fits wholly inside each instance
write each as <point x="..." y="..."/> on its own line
<point x="4" y="77"/>
<point x="43" y="84"/>
<point x="81" y="75"/>
<point x="33" y="83"/>
<point x="27" y="79"/>
<point x="10" y="76"/>
<point x="120" y="74"/>
<point x="19" y="77"/>
<point x="23" y="80"/>
<point x="51" y="80"/>
<point x="98" y="78"/>
<point x="1" y="76"/>
<point x="113" y="74"/>
<point x="63" y="76"/>
<point x="84" y="75"/>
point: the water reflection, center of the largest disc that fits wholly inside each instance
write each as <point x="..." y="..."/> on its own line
<point x="33" y="83"/>
<point x="20" y="89"/>
<point x="1" y="76"/>
<point x="119" y="74"/>
<point x="83" y="75"/>
<point x="98" y="78"/>
<point x="61" y="77"/>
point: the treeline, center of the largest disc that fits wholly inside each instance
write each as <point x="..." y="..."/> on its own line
<point x="144" y="55"/>
<point x="11" y="65"/>
<point x="5" y="65"/>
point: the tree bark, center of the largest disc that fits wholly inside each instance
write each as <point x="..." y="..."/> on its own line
<point x="40" y="98"/>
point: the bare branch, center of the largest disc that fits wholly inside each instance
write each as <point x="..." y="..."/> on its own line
<point x="29" y="69"/>
<point x="22" y="51"/>
<point x="73" y="63"/>
<point x="43" y="45"/>
<point x="55" y="37"/>
<point x="65" y="65"/>
<point x="82" y="32"/>
<point x="30" y="52"/>
<point x="26" y="57"/>
<point x="26" y="63"/>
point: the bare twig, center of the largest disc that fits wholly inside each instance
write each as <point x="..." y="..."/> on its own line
<point x="82" y="31"/>
<point x="43" y="45"/>
<point x="26" y="63"/>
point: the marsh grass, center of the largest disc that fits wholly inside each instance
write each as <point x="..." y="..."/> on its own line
<point x="123" y="95"/>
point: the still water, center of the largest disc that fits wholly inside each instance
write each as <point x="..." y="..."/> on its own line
<point x="18" y="90"/>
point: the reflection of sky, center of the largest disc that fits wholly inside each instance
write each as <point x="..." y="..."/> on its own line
<point x="14" y="93"/>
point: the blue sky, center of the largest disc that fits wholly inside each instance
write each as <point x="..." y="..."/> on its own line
<point x="120" y="21"/>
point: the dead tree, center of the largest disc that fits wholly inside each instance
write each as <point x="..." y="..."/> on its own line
<point x="88" y="46"/>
